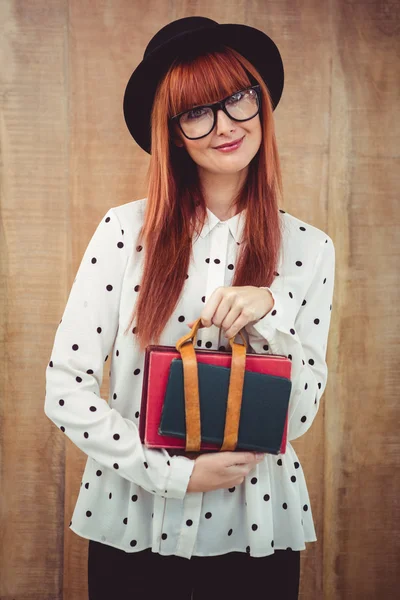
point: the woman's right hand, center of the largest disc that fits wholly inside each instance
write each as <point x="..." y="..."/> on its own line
<point x="216" y="470"/>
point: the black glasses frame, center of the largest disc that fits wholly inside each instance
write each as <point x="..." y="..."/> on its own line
<point x="220" y="105"/>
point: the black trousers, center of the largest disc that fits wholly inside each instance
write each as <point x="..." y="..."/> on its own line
<point x="117" y="575"/>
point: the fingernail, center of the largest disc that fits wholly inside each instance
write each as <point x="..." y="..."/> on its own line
<point x="259" y="455"/>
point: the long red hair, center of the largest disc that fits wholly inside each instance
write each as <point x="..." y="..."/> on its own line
<point x="174" y="192"/>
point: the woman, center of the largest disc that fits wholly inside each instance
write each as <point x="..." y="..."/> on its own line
<point x="208" y="240"/>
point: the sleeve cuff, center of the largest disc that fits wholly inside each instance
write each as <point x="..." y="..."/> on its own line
<point x="180" y="472"/>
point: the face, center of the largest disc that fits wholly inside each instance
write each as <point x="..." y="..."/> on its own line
<point x="208" y="158"/>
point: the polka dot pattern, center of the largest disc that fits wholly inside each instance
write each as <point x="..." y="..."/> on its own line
<point x="134" y="497"/>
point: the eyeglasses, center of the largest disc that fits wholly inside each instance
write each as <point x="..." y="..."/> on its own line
<point x="200" y="120"/>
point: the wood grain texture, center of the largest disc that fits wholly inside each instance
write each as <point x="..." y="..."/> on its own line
<point x="33" y="247"/>
<point x="66" y="156"/>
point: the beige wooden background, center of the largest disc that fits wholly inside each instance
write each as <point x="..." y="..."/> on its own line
<point x="67" y="156"/>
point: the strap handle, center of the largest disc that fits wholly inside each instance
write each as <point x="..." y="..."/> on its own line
<point x="191" y="387"/>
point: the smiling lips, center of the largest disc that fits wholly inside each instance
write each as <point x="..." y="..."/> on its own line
<point x="228" y="147"/>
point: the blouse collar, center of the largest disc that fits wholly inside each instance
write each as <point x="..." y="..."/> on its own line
<point x="235" y="224"/>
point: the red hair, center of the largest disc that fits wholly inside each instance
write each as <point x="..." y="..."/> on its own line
<point x="174" y="192"/>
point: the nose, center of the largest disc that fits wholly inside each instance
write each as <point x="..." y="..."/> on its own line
<point x="223" y="123"/>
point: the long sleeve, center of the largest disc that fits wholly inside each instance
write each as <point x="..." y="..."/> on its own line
<point x="83" y="341"/>
<point x="302" y="337"/>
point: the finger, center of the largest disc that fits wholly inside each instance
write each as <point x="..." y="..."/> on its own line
<point x="242" y="458"/>
<point x="231" y="319"/>
<point x="212" y="305"/>
<point x="225" y="312"/>
<point x="237" y="324"/>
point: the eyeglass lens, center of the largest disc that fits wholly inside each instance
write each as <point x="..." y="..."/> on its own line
<point x="198" y="122"/>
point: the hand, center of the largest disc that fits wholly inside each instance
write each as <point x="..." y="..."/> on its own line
<point x="234" y="307"/>
<point x="218" y="470"/>
<point x="188" y="454"/>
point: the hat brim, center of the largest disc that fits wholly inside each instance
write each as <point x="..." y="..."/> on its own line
<point x="252" y="43"/>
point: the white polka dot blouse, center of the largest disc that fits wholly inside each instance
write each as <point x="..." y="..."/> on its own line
<point x="133" y="497"/>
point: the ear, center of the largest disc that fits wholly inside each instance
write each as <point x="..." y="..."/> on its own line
<point x="176" y="138"/>
<point x="177" y="141"/>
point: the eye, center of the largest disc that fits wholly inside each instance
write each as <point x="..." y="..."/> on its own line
<point x="195" y="113"/>
<point x="235" y="97"/>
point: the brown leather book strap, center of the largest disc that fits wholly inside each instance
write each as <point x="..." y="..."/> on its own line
<point x="192" y="399"/>
<point x="234" y="397"/>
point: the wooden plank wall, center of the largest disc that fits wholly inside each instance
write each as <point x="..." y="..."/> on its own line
<point x="66" y="157"/>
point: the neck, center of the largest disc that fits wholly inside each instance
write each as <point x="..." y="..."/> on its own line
<point x="220" y="190"/>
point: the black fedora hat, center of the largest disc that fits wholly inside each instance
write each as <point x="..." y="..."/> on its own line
<point x="191" y="36"/>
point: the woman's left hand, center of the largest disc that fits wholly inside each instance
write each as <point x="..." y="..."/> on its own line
<point x="231" y="308"/>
